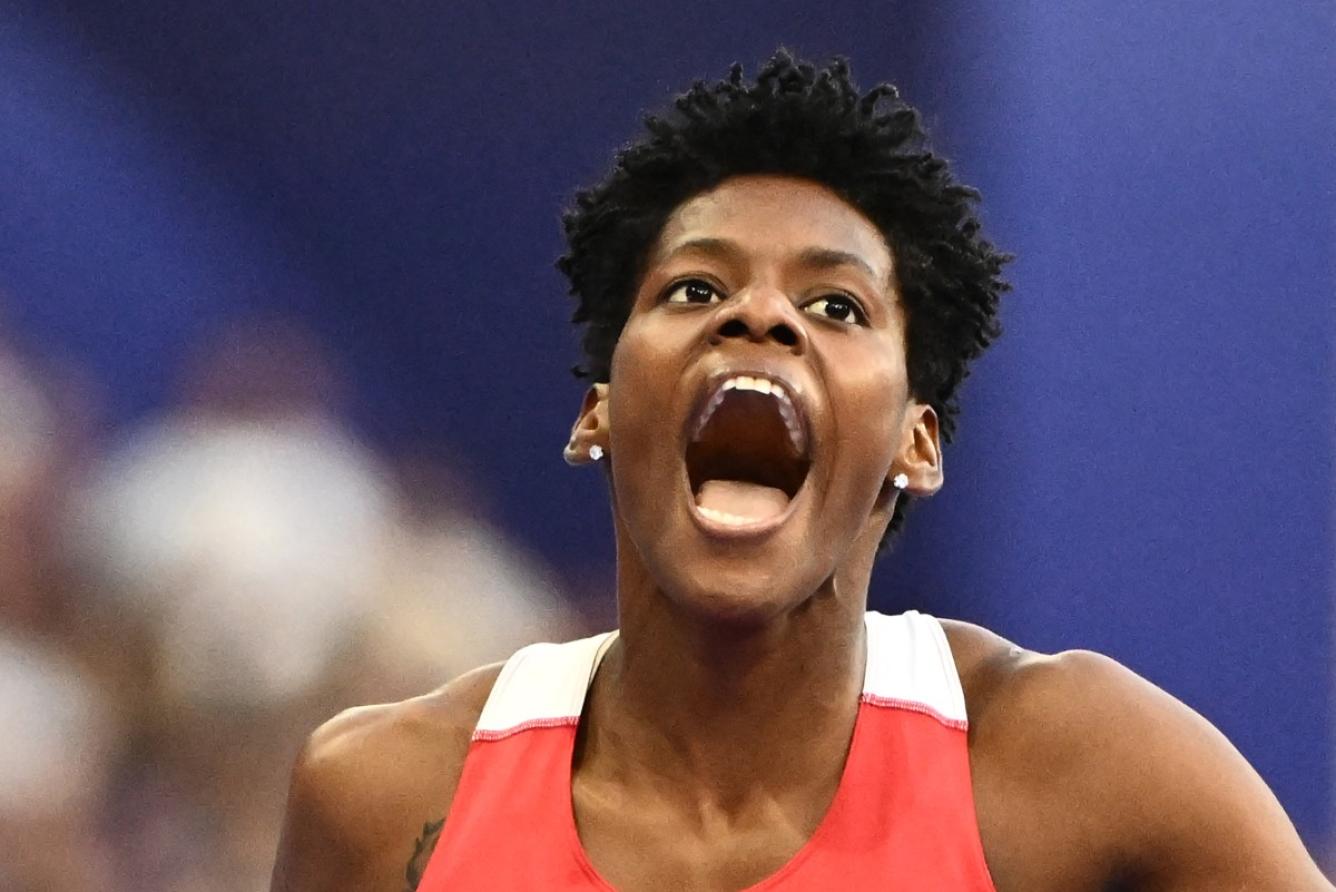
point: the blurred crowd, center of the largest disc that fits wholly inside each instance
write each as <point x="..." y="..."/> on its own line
<point x="183" y="601"/>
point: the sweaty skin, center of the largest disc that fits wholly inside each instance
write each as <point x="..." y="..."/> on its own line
<point x="716" y="728"/>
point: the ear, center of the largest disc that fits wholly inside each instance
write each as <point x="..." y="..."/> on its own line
<point x="920" y="455"/>
<point x="590" y="428"/>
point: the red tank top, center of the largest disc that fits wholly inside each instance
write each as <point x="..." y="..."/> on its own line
<point x="902" y="816"/>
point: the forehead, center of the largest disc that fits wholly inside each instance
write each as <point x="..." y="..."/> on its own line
<point x="774" y="214"/>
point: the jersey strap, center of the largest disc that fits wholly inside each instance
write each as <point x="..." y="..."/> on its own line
<point x="909" y="666"/>
<point x="541" y="686"/>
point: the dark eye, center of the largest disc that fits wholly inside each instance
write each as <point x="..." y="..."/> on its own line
<point x="694" y="291"/>
<point x="837" y="307"/>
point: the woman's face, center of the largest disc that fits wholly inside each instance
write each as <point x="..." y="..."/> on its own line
<point x="758" y="403"/>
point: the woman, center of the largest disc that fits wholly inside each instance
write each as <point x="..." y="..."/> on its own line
<point x="782" y="290"/>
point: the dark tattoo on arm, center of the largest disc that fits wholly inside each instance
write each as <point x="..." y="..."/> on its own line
<point x="426" y="844"/>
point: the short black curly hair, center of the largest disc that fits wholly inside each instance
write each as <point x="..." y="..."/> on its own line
<point x="815" y="124"/>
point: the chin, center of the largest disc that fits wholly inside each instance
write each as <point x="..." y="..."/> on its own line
<point x="738" y="593"/>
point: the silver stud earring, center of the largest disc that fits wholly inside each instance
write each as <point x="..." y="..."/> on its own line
<point x="900" y="481"/>
<point x="595" y="452"/>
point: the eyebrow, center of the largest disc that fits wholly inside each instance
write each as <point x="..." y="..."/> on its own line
<point x="717" y="247"/>
<point x="813" y="258"/>
<point x="828" y="258"/>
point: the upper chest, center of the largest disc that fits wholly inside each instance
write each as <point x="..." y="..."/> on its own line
<point x="895" y="809"/>
<point x="644" y="843"/>
<point x="918" y="797"/>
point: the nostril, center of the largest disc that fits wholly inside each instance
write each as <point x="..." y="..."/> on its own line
<point x="784" y="335"/>
<point x="733" y="328"/>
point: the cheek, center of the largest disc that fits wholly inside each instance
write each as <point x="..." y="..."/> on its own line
<point x="633" y="365"/>
<point x="641" y="386"/>
<point x="643" y="444"/>
<point x="876" y="398"/>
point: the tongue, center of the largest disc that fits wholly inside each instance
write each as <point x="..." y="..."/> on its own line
<point x="743" y="500"/>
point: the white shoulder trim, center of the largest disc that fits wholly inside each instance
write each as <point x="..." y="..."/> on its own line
<point x="541" y="686"/>
<point x="909" y="666"/>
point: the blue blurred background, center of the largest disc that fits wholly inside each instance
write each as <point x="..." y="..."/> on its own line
<point x="282" y="347"/>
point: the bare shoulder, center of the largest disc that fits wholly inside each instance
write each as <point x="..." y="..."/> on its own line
<point x="1031" y="702"/>
<point x="1086" y="774"/>
<point x="372" y="784"/>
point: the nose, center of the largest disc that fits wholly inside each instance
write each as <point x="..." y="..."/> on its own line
<point x="760" y="315"/>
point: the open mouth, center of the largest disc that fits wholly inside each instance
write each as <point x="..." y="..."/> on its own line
<point x="748" y="454"/>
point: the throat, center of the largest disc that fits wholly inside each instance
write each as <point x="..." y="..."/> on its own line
<point x="738" y="501"/>
<point x="721" y="716"/>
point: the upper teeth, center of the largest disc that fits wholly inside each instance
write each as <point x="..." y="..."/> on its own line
<point x="746" y="382"/>
<point x="797" y="436"/>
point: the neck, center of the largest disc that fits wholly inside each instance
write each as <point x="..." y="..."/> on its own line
<point x="727" y="713"/>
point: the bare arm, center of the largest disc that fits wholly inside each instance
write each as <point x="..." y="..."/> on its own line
<point x="1089" y="777"/>
<point x="1185" y="806"/>
<point x="371" y="789"/>
<point x="1143" y="787"/>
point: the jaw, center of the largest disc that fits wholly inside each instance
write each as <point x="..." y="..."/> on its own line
<point x="823" y="543"/>
<point x="737" y="574"/>
<point x="767" y="469"/>
<point x="724" y="572"/>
